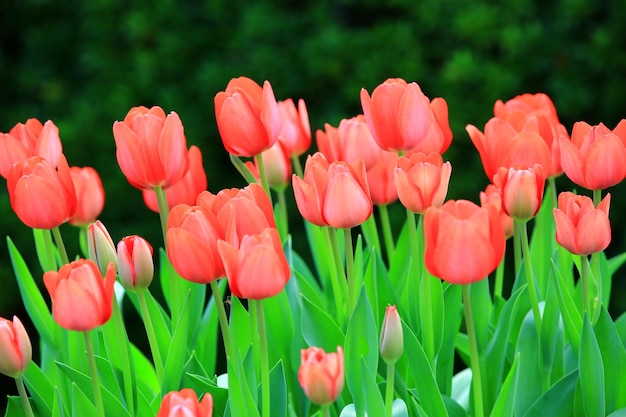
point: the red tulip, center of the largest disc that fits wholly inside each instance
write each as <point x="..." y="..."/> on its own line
<point x="135" y="264"/>
<point x="151" y="148"/>
<point x="381" y="179"/>
<point x="582" y="228"/>
<point x="350" y="141"/>
<point x="82" y="298"/>
<point x="522" y="191"/>
<point x="277" y="166"/>
<point x="187" y="189"/>
<point x="240" y="212"/>
<point x="492" y="196"/>
<point x="335" y="194"/>
<point x="422" y="181"/>
<point x="464" y="242"/>
<point x="192" y="235"/>
<point x="15" y="348"/>
<point x="248" y="118"/>
<point x="184" y="403"/>
<point x="295" y="133"/>
<point x="321" y="374"/>
<point x="595" y="158"/>
<point x="41" y="196"/>
<point x="29" y="139"/>
<point x="89" y="195"/>
<point x="258" y="268"/>
<point x="398" y="114"/>
<point x="439" y="136"/>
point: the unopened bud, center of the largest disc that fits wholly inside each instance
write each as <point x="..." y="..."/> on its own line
<point x="391" y="337"/>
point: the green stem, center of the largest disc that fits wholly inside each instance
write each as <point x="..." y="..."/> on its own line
<point x="389" y="390"/>
<point x="261" y="166"/>
<point x="28" y="411"/>
<point x="254" y="335"/>
<point x="351" y="279"/>
<point x="297" y="166"/>
<point x="597" y="197"/>
<point x="50" y="263"/>
<point x="221" y="314"/>
<point x="282" y="211"/>
<point x="552" y="195"/>
<point x="517" y="251"/>
<point x="122" y="338"/>
<point x="340" y="286"/>
<point x="326" y="410"/>
<point x="265" y="367"/>
<point x="520" y="229"/>
<point x="597" y="279"/>
<point x="387" y="235"/>
<point x="95" y="381"/>
<point x="242" y="169"/>
<point x="152" y="340"/>
<point x="58" y="239"/>
<point x="474" y="358"/>
<point x="82" y="240"/>
<point x="164" y="210"/>
<point x="584" y="278"/>
<point x="497" y="291"/>
<point x="371" y="232"/>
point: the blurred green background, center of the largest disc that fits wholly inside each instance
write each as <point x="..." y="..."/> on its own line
<point x="84" y="64"/>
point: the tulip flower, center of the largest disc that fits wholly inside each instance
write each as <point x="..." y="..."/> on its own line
<point x="582" y="228"/>
<point x="82" y="299"/>
<point x="192" y="235"/>
<point x="381" y="179"/>
<point x="135" y="264"/>
<point x="335" y="194"/>
<point x="464" y="242"/>
<point x="247" y="116"/>
<point x="277" y="166"/>
<point x="240" y="212"/>
<point x="422" y="181"/>
<point x="492" y="196"/>
<point x="295" y="132"/>
<point x="595" y="158"/>
<point x="15" y="348"/>
<point x="398" y="114"/>
<point x="187" y="189"/>
<point x="535" y="112"/>
<point x="391" y="337"/>
<point x="258" y="268"/>
<point x="503" y="146"/>
<point x="439" y="136"/>
<point x="29" y="139"/>
<point x="42" y="197"/>
<point x="100" y="246"/>
<point x="89" y="195"/>
<point x="151" y="148"/>
<point x="184" y="403"/>
<point x="522" y="191"/>
<point x="350" y="141"/>
<point x="321" y="374"/>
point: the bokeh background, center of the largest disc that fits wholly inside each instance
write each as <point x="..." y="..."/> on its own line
<point x="84" y="64"/>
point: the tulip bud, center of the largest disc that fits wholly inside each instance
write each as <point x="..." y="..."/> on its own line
<point x="101" y="246"/>
<point x="134" y="260"/>
<point x="15" y="347"/>
<point x="391" y="338"/>
<point x="185" y="403"/>
<point x="321" y="374"/>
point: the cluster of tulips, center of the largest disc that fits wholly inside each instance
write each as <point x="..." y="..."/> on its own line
<point x="280" y="320"/>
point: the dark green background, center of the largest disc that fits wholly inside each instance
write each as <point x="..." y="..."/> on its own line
<point x="84" y="64"/>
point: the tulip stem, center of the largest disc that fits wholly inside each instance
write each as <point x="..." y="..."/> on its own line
<point x="28" y="411"/>
<point x="284" y="218"/>
<point x="93" y="368"/>
<point x="297" y="166"/>
<point x="58" y="239"/>
<point x="242" y="169"/>
<point x="265" y="367"/>
<point x="474" y="358"/>
<point x="338" y="278"/>
<point x="528" y="270"/>
<point x="261" y="165"/>
<point x="497" y="291"/>
<point x="122" y="340"/>
<point x="82" y="239"/>
<point x="152" y="340"/>
<point x="370" y="231"/>
<point x="387" y="235"/>
<point x="389" y="390"/>
<point x="326" y="410"/>
<point x="584" y="279"/>
<point x="164" y="210"/>
<point x="347" y="234"/>
<point x="221" y="314"/>
<point x="597" y="197"/>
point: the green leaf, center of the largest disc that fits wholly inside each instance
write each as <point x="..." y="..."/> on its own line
<point x="614" y="361"/>
<point x="206" y="334"/>
<point x="558" y="401"/>
<point x="43" y="241"/>
<point x="451" y="325"/>
<point x="551" y="330"/>
<point x="591" y="378"/>
<point x="146" y="376"/>
<point x="278" y="391"/>
<point x="528" y="356"/>
<point x="33" y="300"/>
<point x="240" y="400"/>
<point x="203" y="384"/>
<point x="160" y="320"/>
<point x="39" y="387"/>
<point x="280" y="327"/>
<point x="14" y="407"/>
<point x="616" y="262"/>
<point x="177" y="354"/>
<point x="81" y="405"/>
<point x="318" y="328"/>
<point x="543" y="241"/>
<point x="572" y="319"/>
<point x="504" y="404"/>
<point x="618" y="413"/>
<point x="374" y="404"/>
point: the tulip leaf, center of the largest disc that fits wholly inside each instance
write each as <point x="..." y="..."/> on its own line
<point x="240" y="399"/>
<point x="278" y="391"/>
<point x="374" y="404"/>
<point x="614" y="361"/>
<point x="57" y="405"/>
<point x="399" y="265"/>
<point x="528" y="357"/>
<point x="81" y="405"/>
<point x="361" y="343"/>
<point x="14" y="407"/>
<point x="425" y="385"/>
<point x="558" y="401"/>
<point x="543" y="241"/>
<point x="146" y="375"/>
<point x="280" y="328"/>
<point x="618" y="413"/>
<point x="505" y="402"/>
<point x="43" y="241"/>
<point x="318" y="328"/>
<point x="572" y="320"/>
<point x="177" y="354"/>
<point x="317" y="238"/>
<point x="206" y="335"/>
<point x="451" y="325"/>
<point x="591" y="370"/>
<point x="551" y="330"/>
<point x="160" y="320"/>
<point x="39" y="387"/>
<point x="201" y="383"/>
<point x="616" y="262"/>
<point x="240" y="326"/>
<point x="31" y="296"/>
